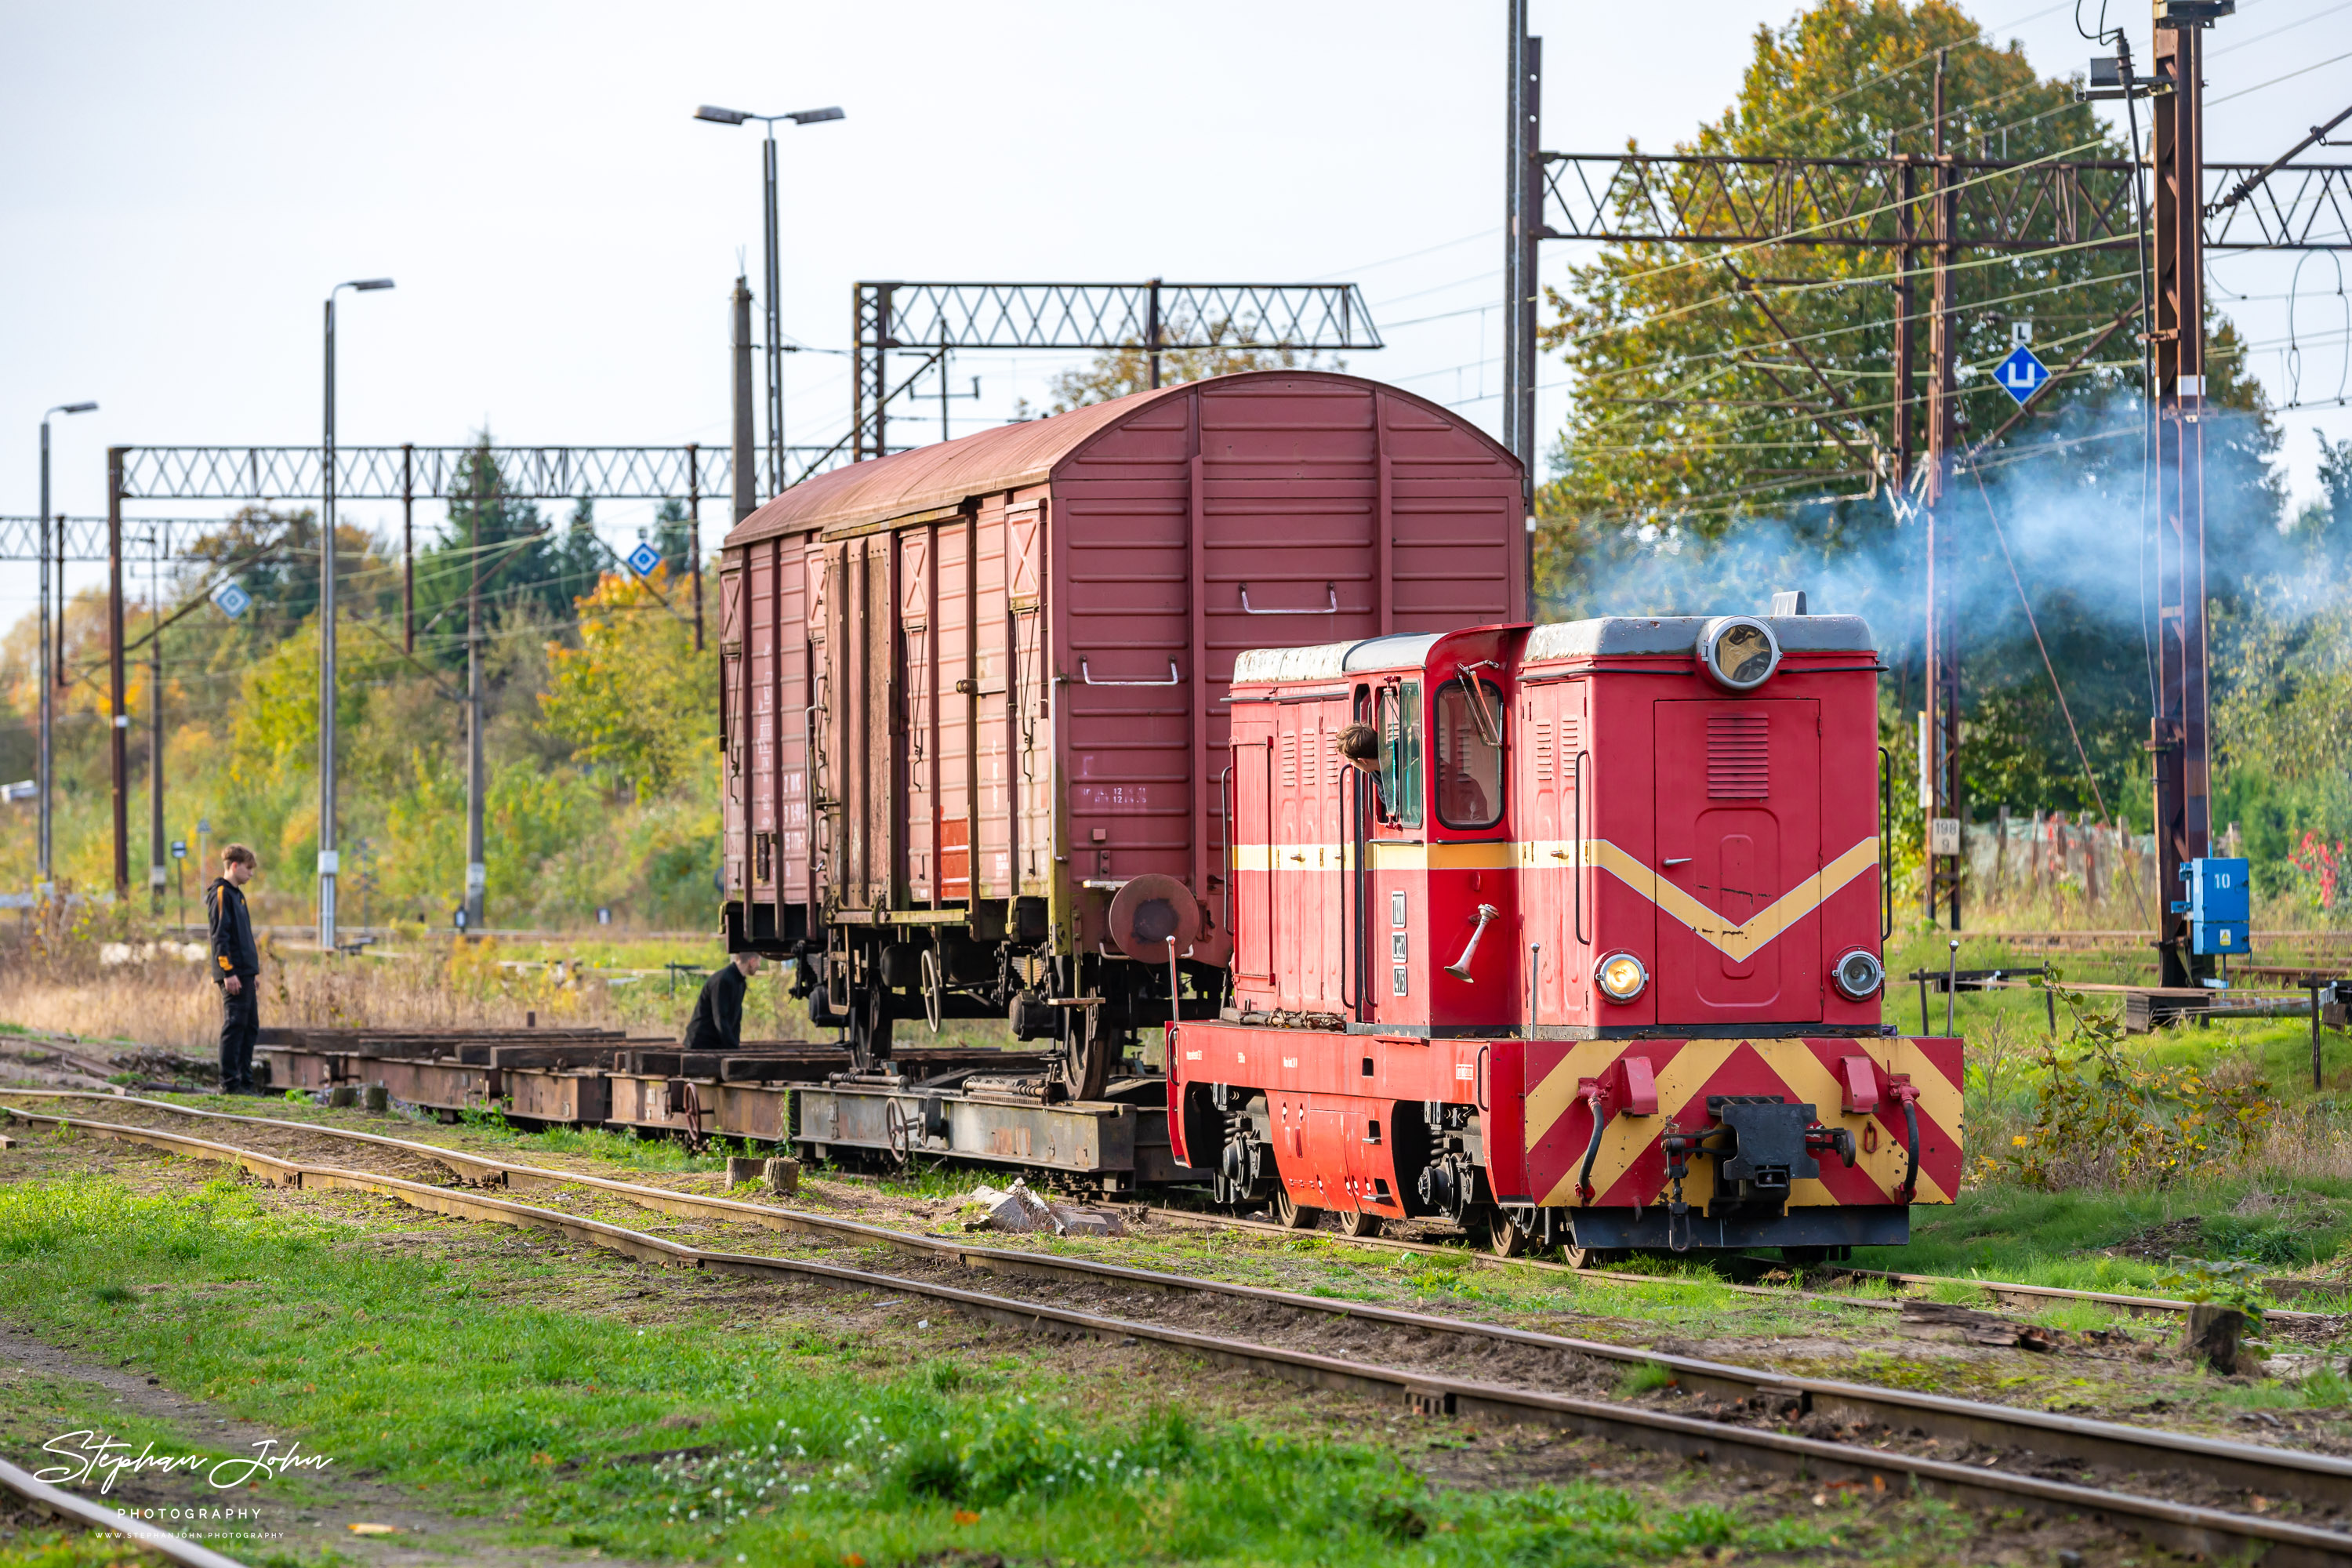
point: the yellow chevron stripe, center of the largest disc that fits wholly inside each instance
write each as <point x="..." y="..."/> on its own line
<point x="1738" y="941"/>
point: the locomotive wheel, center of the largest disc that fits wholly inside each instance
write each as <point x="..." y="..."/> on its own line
<point x="1357" y="1223"/>
<point x="869" y="1029"/>
<point x="1086" y="1054"/>
<point x="1506" y="1236"/>
<point x="1590" y="1256"/>
<point x="1292" y="1215"/>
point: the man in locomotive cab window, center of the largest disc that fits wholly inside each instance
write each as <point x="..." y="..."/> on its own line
<point x="236" y="967"/>
<point x="1399" y="711"/>
<point x="1359" y="748"/>
<point x="718" y="1021"/>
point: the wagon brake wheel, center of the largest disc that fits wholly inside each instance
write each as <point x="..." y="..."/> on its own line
<point x="1359" y="1223"/>
<point x="934" y="989"/>
<point x="1086" y="1054"/>
<point x="901" y="1129"/>
<point x="1292" y="1215"/>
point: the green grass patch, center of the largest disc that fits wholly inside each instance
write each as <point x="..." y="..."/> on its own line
<point x="416" y="1367"/>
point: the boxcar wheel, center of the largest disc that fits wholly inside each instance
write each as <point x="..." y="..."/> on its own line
<point x="1358" y="1222"/>
<point x="1292" y="1215"/>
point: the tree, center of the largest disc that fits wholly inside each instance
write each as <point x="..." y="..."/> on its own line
<point x="633" y="700"/>
<point x="1116" y="373"/>
<point x="1730" y="421"/>
<point x="504" y="537"/>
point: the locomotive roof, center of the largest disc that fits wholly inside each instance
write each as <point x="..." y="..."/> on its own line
<point x="1327" y="661"/>
<point x="945" y="473"/>
<point x="1610" y="634"/>
<point x="1679" y="634"/>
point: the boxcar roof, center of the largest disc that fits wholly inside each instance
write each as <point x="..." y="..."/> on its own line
<point x="944" y="473"/>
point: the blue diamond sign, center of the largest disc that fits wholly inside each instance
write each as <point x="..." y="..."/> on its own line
<point x="2022" y="374"/>
<point x="643" y="559"/>
<point x="233" y="600"/>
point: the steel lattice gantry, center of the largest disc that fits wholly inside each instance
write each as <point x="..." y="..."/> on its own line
<point x="2003" y="205"/>
<point x="1154" y="316"/>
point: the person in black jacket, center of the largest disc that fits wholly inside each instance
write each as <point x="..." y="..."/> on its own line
<point x="236" y="967"/>
<point x="718" y="1021"/>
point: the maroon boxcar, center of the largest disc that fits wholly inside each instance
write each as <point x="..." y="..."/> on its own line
<point x="973" y="695"/>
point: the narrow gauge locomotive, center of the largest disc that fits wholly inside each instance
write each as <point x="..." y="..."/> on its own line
<point x="1589" y="956"/>
<point x="972" y="695"/>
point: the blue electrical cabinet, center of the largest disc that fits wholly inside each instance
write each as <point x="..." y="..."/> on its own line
<point x="2219" y="911"/>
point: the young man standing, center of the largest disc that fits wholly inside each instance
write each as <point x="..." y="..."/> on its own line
<point x="718" y="1021"/>
<point x="236" y="967"/>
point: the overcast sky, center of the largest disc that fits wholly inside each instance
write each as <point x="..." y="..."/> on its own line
<point x="186" y="181"/>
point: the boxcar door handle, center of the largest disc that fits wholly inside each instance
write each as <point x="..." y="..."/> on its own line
<point x="1330" y="589"/>
<point x="1087" y="678"/>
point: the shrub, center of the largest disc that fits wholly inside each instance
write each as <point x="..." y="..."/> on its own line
<point x="2102" y="1120"/>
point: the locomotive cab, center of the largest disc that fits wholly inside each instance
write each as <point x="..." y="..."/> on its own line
<point x="1581" y="943"/>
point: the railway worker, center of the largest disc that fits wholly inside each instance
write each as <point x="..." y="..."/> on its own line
<point x="236" y="967"/>
<point x="1359" y="747"/>
<point x="718" y="1021"/>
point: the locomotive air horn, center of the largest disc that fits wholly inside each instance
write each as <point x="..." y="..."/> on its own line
<point x="1460" y="967"/>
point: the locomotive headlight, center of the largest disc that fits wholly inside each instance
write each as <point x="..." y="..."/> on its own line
<point x="1739" y="652"/>
<point x="1620" y="977"/>
<point x="1859" y="974"/>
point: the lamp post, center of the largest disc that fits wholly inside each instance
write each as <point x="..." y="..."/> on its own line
<point x="49" y="697"/>
<point x="774" y="346"/>
<point x="327" y="865"/>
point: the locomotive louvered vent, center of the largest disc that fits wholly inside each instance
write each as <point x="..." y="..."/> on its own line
<point x="1738" y="766"/>
<point x="1290" y="758"/>
<point x="1543" y="748"/>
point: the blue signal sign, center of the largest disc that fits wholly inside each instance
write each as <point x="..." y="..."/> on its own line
<point x="233" y="600"/>
<point x="2021" y="374"/>
<point x="643" y="559"/>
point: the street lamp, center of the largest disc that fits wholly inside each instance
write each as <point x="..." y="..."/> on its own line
<point x="327" y="631"/>
<point x="775" y="331"/>
<point x="48" y="698"/>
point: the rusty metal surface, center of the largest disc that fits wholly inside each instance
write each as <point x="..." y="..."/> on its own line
<point x="1090" y="1138"/>
<point x="2183" y="1527"/>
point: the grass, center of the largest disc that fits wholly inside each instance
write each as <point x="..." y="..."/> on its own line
<point x="830" y="1450"/>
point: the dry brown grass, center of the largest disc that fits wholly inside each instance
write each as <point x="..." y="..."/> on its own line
<point x="56" y="978"/>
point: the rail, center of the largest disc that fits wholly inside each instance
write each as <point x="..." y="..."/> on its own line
<point x="81" y="1510"/>
<point x="2318" y="1478"/>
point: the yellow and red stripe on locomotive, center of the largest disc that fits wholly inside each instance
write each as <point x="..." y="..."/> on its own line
<point x="1571" y="934"/>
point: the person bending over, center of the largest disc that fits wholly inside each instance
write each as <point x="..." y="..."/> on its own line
<point x="718" y="1021"/>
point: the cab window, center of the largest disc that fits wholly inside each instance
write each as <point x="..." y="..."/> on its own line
<point x="1400" y="727"/>
<point x="1469" y="772"/>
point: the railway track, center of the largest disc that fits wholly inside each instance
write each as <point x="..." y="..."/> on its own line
<point x="81" y="1510"/>
<point x="2006" y="1292"/>
<point x="484" y="1169"/>
<point x="1741" y="1411"/>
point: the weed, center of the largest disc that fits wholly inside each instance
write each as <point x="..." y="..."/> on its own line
<point x="1642" y="1379"/>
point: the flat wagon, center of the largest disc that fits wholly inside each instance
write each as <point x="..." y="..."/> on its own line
<point x="973" y="695"/>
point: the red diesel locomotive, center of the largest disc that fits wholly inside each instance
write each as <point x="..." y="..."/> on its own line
<point x="1587" y="956"/>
